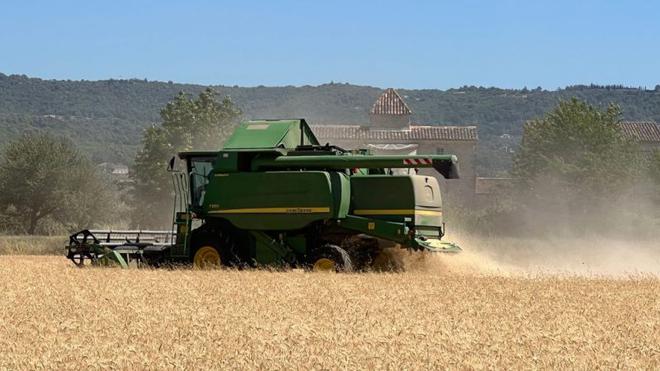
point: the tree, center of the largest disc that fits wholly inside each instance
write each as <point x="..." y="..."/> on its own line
<point x="43" y="178"/>
<point x="577" y="157"/>
<point x="187" y="124"/>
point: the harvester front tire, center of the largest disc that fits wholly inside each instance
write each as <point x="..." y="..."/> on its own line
<point x="330" y="258"/>
<point x="211" y="248"/>
<point x="207" y="257"/>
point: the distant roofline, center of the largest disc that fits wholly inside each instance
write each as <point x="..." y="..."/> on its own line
<point x="442" y="126"/>
<point x="412" y="133"/>
<point x="646" y="131"/>
<point x="368" y="127"/>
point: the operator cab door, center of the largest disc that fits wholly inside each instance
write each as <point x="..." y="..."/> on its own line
<point x="199" y="172"/>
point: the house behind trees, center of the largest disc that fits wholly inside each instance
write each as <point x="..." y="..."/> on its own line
<point x="646" y="133"/>
<point x="391" y="131"/>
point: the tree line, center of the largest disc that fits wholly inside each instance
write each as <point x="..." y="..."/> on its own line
<point x="573" y="166"/>
<point x="123" y="105"/>
<point x="574" y="173"/>
<point x="48" y="186"/>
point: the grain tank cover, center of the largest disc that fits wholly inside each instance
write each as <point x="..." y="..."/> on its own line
<point x="286" y="134"/>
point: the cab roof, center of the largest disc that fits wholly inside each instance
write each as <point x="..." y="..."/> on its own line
<point x="287" y="134"/>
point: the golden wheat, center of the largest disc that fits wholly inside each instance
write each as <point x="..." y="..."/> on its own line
<point x="56" y="316"/>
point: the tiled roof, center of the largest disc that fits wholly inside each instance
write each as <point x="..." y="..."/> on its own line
<point x="390" y="103"/>
<point x="643" y="131"/>
<point x="355" y="132"/>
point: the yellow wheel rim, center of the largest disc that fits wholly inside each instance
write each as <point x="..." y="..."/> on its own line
<point x="207" y="257"/>
<point x="324" y="265"/>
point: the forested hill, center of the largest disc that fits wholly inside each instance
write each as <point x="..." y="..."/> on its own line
<point x="106" y="117"/>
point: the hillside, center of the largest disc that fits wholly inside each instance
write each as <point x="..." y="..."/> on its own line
<point x="106" y="117"/>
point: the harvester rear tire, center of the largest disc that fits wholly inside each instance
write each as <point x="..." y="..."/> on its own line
<point x="330" y="258"/>
<point x="362" y="249"/>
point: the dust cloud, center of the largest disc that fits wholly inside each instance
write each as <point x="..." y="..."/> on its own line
<point x="592" y="257"/>
<point x="617" y="235"/>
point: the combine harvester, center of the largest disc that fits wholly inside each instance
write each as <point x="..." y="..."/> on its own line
<point x="274" y="196"/>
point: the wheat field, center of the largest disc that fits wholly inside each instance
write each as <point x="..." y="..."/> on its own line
<point x="56" y="316"/>
<point x="32" y="245"/>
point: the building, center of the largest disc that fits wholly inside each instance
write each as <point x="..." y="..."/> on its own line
<point x="646" y="133"/>
<point x="117" y="172"/>
<point x="390" y="131"/>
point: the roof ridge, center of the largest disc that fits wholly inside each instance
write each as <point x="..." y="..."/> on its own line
<point x="390" y="103"/>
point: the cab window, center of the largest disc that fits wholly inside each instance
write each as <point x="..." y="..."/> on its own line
<point x="200" y="170"/>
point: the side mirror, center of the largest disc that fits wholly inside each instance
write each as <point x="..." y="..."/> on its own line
<point x="170" y="167"/>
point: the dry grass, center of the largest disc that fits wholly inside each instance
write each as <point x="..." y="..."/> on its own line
<point x="32" y="245"/>
<point x="57" y="316"/>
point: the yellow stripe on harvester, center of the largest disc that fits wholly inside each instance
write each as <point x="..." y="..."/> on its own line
<point x="396" y="212"/>
<point x="274" y="210"/>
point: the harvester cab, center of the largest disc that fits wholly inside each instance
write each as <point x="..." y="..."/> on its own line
<point x="273" y="195"/>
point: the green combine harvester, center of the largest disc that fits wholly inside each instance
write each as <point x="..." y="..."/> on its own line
<point x="275" y="196"/>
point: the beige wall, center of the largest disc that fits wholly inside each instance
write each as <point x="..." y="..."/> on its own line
<point x="389" y="121"/>
<point x="650" y="147"/>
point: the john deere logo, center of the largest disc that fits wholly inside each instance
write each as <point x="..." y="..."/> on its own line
<point x="299" y="210"/>
<point x="273" y="210"/>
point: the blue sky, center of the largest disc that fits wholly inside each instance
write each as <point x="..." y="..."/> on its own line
<point x="404" y="44"/>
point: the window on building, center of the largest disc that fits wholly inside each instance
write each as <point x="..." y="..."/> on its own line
<point x="439" y="151"/>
